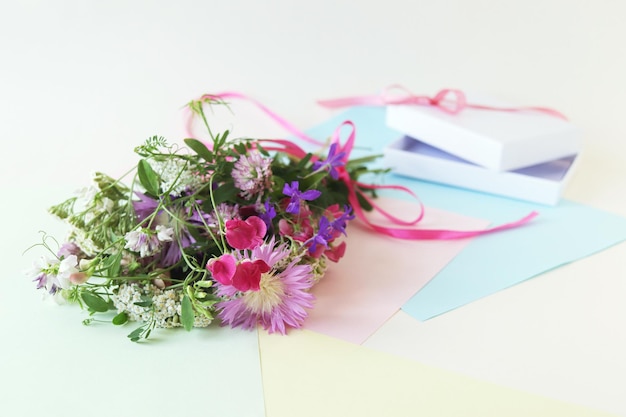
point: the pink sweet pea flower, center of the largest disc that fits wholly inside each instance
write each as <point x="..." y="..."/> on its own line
<point x="248" y="275"/>
<point x="304" y="232"/>
<point x="336" y="252"/>
<point x="245" y="234"/>
<point x="223" y="268"/>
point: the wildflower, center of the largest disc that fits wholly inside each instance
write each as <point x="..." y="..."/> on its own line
<point x="252" y="173"/>
<point x="225" y="212"/>
<point x="335" y="253"/>
<point x="341" y="219"/>
<point x="223" y="268"/>
<point x="180" y="235"/>
<point x="322" y="237"/>
<point x="164" y="234"/>
<point x="243" y="276"/>
<point x="147" y="242"/>
<point x="245" y="234"/>
<point x="67" y="249"/>
<point x="268" y="214"/>
<point x="78" y="278"/>
<point x="321" y="242"/>
<point x="145" y="206"/>
<point x="296" y="196"/>
<point x="282" y="298"/>
<point x="176" y="177"/>
<point x="248" y="275"/>
<point x="332" y="162"/>
<point x="300" y="231"/>
<point x="166" y="304"/>
<point x="54" y="274"/>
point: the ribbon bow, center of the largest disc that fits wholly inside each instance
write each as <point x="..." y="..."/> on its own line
<point x="448" y="100"/>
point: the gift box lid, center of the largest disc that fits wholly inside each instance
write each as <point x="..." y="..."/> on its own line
<point x="542" y="183"/>
<point x="498" y="140"/>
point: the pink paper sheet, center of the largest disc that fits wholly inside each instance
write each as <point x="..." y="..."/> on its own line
<point x="378" y="274"/>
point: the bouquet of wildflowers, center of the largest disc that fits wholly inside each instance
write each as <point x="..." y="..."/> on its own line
<point x="234" y="229"/>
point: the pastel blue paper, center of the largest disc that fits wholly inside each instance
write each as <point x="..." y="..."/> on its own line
<point x="490" y="263"/>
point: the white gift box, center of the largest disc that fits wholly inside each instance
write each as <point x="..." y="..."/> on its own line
<point x="498" y="140"/>
<point x="543" y="183"/>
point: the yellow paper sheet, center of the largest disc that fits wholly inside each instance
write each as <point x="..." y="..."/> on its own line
<point x="308" y="374"/>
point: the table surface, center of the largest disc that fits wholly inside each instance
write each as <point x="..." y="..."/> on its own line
<point x="81" y="83"/>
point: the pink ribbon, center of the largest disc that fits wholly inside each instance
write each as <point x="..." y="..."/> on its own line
<point x="354" y="187"/>
<point x="401" y="233"/>
<point x="447" y="100"/>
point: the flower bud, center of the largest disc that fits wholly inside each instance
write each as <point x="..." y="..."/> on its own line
<point x="78" y="278"/>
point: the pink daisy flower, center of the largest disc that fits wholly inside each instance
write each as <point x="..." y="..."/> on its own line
<point x="282" y="298"/>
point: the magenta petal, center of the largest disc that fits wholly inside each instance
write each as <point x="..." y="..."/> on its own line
<point x="259" y="226"/>
<point x="248" y="275"/>
<point x="223" y="268"/>
<point x="245" y="234"/>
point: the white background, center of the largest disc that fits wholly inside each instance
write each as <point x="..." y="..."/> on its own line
<point x="83" y="82"/>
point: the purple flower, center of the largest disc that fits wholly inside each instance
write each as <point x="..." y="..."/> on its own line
<point x="296" y="196"/>
<point x="341" y="222"/>
<point x="322" y="237"/>
<point x="67" y="249"/>
<point x="332" y="162"/>
<point x="282" y="298"/>
<point x="269" y="214"/>
<point x="170" y="251"/>
<point x="145" y="206"/>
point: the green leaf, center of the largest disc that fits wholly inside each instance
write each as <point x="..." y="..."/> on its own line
<point x="364" y="160"/>
<point x="262" y="150"/>
<point x="148" y="177"/>
<point x="120" y="319"/>
<point x="365" y="205"/>
<point x="305" y="160"/>
<point x="95" y="302"/>
<point x="146" y="301"/>
<point x="200" y="148"/>
<point x="113" y="264"/>
<point x="312" y="181"/>
<point x="186" y="315"/>
<point x="240" y="148"/>
<point x="225" y="192"/>
<point x="135" y="335"/>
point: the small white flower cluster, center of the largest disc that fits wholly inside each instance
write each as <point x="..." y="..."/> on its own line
<point x="97" y="204"/>
<point x="84" y="242"/>
<point x="166" y="305"/>
<point x="94" y="206"/>
<point x="176" y="176"/>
